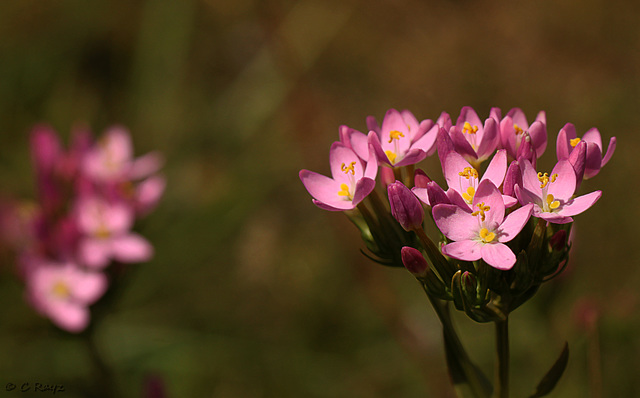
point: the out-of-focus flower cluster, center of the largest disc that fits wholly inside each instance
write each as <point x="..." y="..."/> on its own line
<point x="504" y="225"/>
<point x="89" y="197"/>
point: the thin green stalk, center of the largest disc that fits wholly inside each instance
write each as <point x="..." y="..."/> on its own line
<point x="502" y="363"/>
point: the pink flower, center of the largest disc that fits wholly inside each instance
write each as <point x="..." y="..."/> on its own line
<point x="552" y="195"/>
<point x="111" y="160"/>
<point x="513" y="128"/>
<point x="567" y="141"/>
<point x="352" y="180"/>
<point x="474" y="140"/>
<point x="401" y="140"/>
<point x="483" y="233"/>
<point x="106" y="228"/>
<point x="62" y="292"/>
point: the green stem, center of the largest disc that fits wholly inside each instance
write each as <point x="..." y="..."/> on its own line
<point x="502" y="364"/>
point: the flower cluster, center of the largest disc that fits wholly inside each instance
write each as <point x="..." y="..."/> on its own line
<point x="504" y="224"/>
<point x="89" y="197"/>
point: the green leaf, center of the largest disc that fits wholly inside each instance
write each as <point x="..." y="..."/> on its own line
<point x="550" y="380"/>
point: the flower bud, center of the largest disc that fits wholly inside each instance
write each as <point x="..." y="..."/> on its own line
<point x="386" y="176"/>
<point x="414" y="261"/>
<point x="526" y="149"/>
<point x="421" y="179"/>
<point x="405" y="206"/>
<point x="512" y="178"/>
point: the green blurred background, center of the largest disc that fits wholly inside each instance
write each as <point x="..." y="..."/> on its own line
<point x="255" y="292"/>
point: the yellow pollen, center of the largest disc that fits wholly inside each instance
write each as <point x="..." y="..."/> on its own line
<point x="574" y="142"/>
<point x="553" y="204"/>
<point x="486" y="235"/>
<point x="554" y="177"/>
<point x="344" y="191"/>
<point x="468" y="196"/>
<point x="102" y="232"/>
<point x="468" y="129"/>
<point x="391" y="156"/>
<point x="346" y="169"/>
<point x="481" y="209"/>
<point x="395" y="135"/>
<point x="469" y="172"/>
<point x="61" y="290"/>
<point x="544" y="179"/>
<point x="518" y="129"/>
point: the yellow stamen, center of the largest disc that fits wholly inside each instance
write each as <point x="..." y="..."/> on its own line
<point x="344" y="191"/>
<point x="481" y="209"/>
<point x="469" y="172"/>
<point x="518" y="129"/>
<point x="544" y="179"/>
<point x="468" y="129"/>
<point x="61" y="290"/>
<point x="574" y="142"/>
<point x="391" y="156"/>
<point x="553" y="204"/>
<point x="102" y="232"/>
<point x="554" y="177"/>
<point x="486" y="235"/>
<point x="395" y="135"/>
<point x="346" y="169"/>
<point x="468" y="196"/>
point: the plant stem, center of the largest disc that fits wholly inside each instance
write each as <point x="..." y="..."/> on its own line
<point x="502" y="364"/>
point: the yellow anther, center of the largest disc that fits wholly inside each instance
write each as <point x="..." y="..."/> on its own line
<point x="574" y="142"/>
<point x="468" y="129"/>
<point x="102" y="232"/>
<point x="346" y="169"/>
<point x="518" y="129"/>
<point x="469" y="172"/>
<point x="344" y="191"/>
<point x="468" y="196"/>
<point x="486" y="235"/>
<point x="395" y="135"/>
<point x="554" y="177"/>
<point x="391" y="156"/>
<point x="544" y="179"/>
<point x="61" y="290"/>
<point x="553" y="204"/>
<point x="481" y="209"/>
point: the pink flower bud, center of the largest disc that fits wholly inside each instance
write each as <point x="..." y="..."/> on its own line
<point x="414" y="261"/>
<point x="386" y="176"/>
<point x="421" y="179"/>
<point x="405" y="206"/>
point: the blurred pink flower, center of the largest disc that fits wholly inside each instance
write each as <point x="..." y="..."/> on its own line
<point x="62" y="292"/>
<point x="483" y="232"/>
<point x="106" y="228"/>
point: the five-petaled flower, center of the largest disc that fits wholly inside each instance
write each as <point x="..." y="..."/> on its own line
<point x="481" y="234"/>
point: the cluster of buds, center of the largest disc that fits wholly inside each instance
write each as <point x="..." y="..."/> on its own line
<point x="89" y="197"/>
<point x="504" y="226"/>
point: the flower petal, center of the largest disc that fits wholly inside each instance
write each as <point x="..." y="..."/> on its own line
<point x="131" y="248"/>
<point x="488" y="194"/>
<point x="580" y="204"/>
<point x="497" y="168"/>
<point x="565" y="184"/>
<point x="514" y="222"/>
<point x="498" y="255"/>
<point x="455" y="223"/>
<point x="466" y="250"/>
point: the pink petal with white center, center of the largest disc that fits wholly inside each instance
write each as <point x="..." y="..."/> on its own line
<point x="497" y="168"/>
<point x="565" y="184"/>
<point x="455" y="223"/>
<point x="498" y="255"/>
<point x="94" y="253"/>
<point x="87" y="287"/>
<point x="488" y="194"/>
<point x="339" y="156"/>
<point x="580" y="204"/>
<point x="488" y="139"/>
<point x="131" y="248"/>
<point x="514" y="222"/>
<point x="466" y="250"/>
<point x="69" y="316"/>
<point x="145" y="165"/>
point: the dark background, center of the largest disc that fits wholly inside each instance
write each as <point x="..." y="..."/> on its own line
<point x="255" y="292"/>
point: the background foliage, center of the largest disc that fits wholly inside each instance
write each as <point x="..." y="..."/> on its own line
<point x="254" y="292"/>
